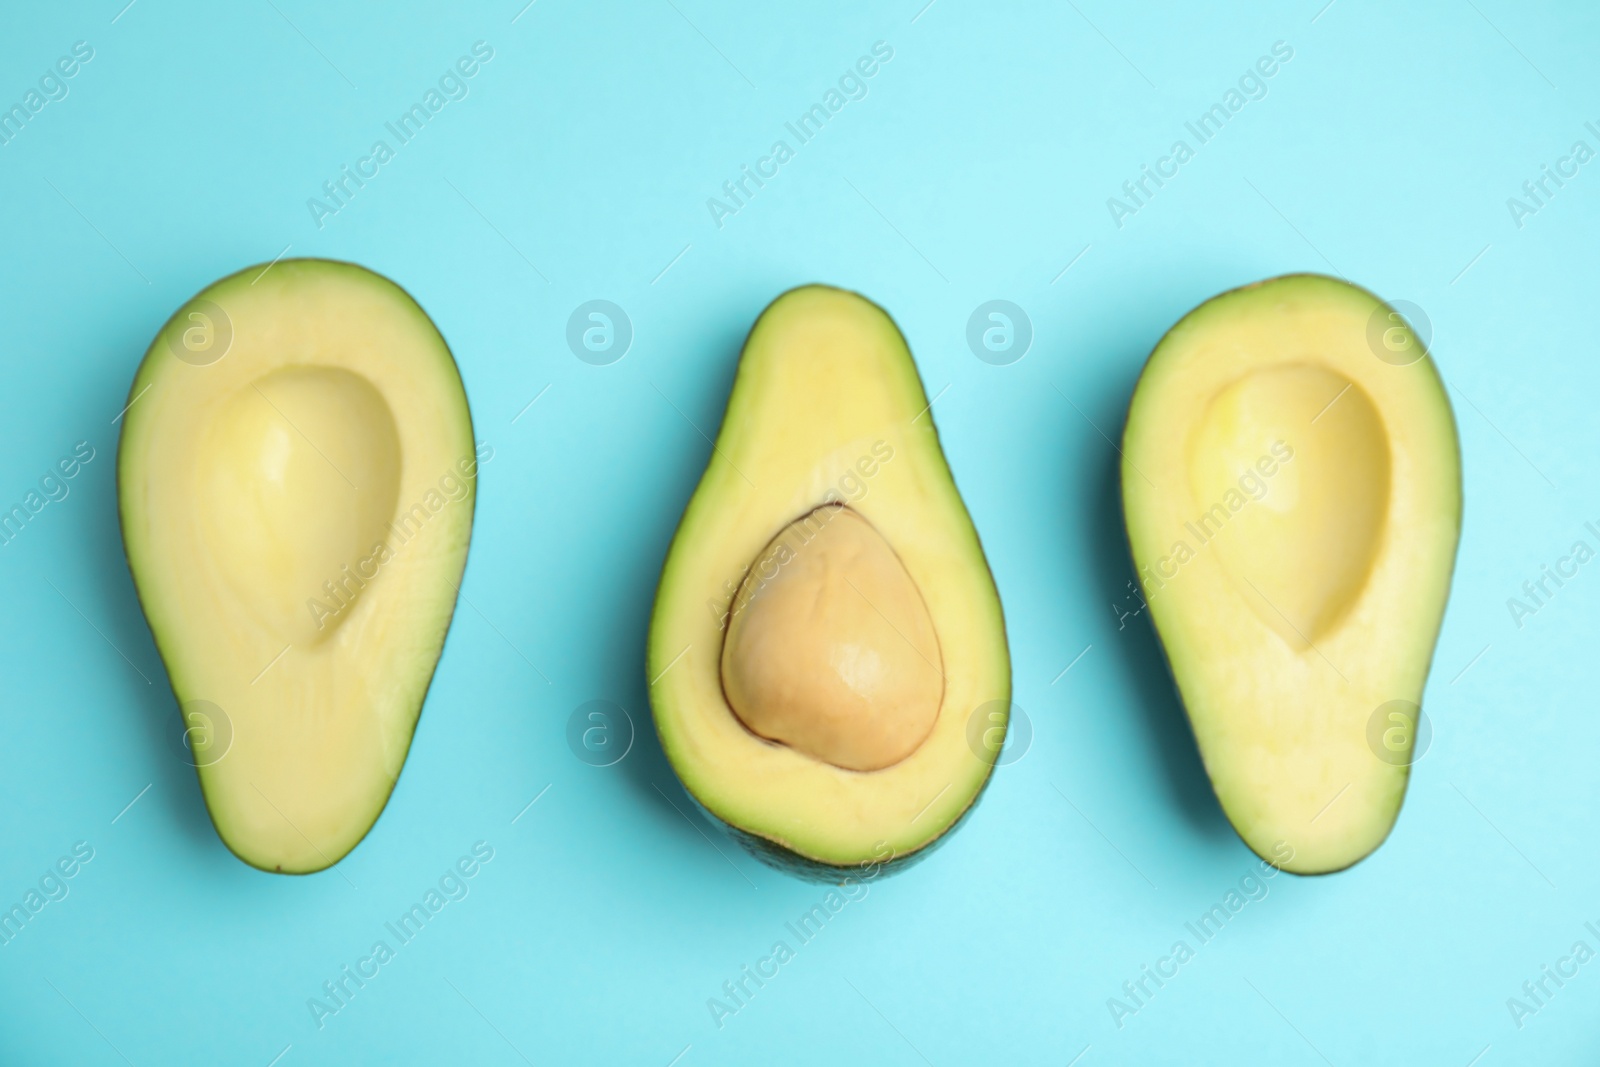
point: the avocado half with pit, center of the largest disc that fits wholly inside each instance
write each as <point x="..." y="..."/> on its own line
<point x="1291" y="484"/>
<point x="296" y="481"/>
<point x="826" y="632"/>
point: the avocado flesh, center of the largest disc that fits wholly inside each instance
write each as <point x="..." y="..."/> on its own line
<point x="255" y="493"/>
<point x="1293" y="504"/>
<point x="827" y="409"/>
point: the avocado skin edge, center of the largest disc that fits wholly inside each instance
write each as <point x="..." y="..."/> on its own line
<point x="782" y="858"/>
<point x="769" y="852"/>
<point x="1128" y="540"/>
<point x="123" y="536"/>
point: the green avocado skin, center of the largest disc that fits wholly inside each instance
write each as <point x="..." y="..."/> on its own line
<point x="806" y="869"/>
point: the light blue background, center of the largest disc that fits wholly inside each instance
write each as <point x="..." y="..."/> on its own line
<point x="977" y="168"/>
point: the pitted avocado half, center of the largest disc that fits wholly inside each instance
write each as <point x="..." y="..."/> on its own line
<point x="296" y="480"/>
<point x="826" y="627"/>
<point x="1291" y="484"/>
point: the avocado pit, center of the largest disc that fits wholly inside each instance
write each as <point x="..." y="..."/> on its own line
<point x="830" y="648"/>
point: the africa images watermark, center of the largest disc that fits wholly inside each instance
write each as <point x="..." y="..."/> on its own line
<point x="453" y="885"/>
<point x="1137" y="992"/>
<point x="54" y="485"/>
<point x="52" y="87"/>
<point x="452" y="85"/>
<point x="852" y="85"/>
<point x="52" y="888"/>
<point x="805" y="929"/>
<point x="1252" y="85"/>
<point x="1537" y="593"/>
<point x="1251" y="487"/>
<point x="342" y="590"/>
<point x="1536" y="992"/>
<point x="1537" y="192"/>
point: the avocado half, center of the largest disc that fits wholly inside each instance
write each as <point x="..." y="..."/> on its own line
<point x="1291" y="483"/>
<point x="826" y="631"/>
<point x="296" y="480"/>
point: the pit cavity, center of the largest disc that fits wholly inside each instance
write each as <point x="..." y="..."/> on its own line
<point x="299" y="479"/>
<point x="1290" y="471"/>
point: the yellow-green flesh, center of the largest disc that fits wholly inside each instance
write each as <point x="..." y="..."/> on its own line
<point x="255" y="493"/>
<point x="1293" y="504"/>
<point x="827" y="406"/>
